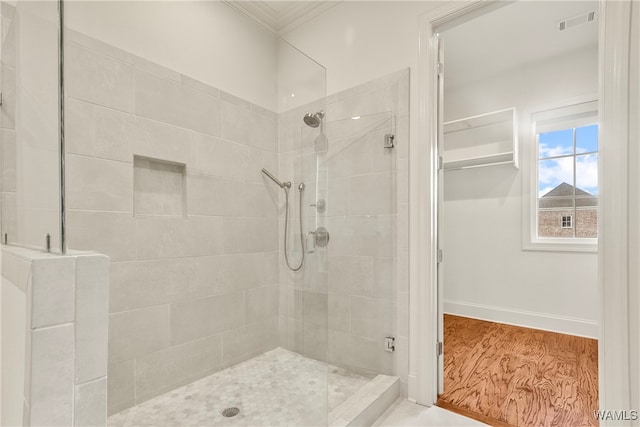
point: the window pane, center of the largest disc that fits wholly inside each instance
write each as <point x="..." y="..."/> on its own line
<point x="587" y="174"/>
<point x="556" y="143"/>
<point x="555" y="217"/>
<point x="587" y="139"/>
<point x="555" y="177"/>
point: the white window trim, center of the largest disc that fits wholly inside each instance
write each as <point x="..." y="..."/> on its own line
<point x="569" y="221"/>
<point x="530" y="240"/>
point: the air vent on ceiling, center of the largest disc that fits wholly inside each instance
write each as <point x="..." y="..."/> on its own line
<point x="585" y="18"/>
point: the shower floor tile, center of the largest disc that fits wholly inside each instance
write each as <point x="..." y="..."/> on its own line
<point x="277" y="388"/>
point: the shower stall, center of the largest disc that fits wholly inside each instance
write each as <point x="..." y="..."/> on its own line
<point x="257" y="249"/>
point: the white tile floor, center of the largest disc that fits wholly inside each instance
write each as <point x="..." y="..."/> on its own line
<point x="277" y="388"/>
<point x="404" y="413"/>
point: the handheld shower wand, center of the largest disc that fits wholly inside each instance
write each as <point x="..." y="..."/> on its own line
<point x="276" y="180"/>
<point x="286" y="186"/>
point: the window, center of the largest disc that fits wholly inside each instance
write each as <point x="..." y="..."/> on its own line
<point x="564" y="169"/>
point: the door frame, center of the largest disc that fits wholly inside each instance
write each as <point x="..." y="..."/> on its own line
<point x="615" y="243"/>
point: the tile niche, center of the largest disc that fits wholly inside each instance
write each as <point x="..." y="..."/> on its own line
<point x="159" y="187"/>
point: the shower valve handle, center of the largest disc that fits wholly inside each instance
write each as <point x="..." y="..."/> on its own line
<point x="320" y="237"/>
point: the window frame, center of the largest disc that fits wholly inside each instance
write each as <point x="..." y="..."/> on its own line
<point x="568" y="223"/>
<point x="530" y="239"/>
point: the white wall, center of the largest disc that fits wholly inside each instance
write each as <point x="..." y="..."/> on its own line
<point x="206" y="40"/>
<point x="359" y="41"/>
<point x="487" y="274"/>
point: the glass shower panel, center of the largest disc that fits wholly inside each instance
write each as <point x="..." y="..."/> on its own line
<point x="30" y="103"/>
<point x="303" y="296"/>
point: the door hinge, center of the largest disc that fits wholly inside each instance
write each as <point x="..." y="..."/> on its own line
<point x="439" y="349"/>
<point x="389" y="344"/>
<point x="440" y="69"/>
<point x="440" y="163"/>
<point x="439" y="256"/>
<point x="1" y="99"/>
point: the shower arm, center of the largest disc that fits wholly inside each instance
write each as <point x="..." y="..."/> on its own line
<point x="276" y="180"/>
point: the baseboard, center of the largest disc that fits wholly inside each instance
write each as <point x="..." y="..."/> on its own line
<point x="527" y="319"/>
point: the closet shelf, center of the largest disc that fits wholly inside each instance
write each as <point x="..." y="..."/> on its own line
<point x="482" y="140"/>
<point x="474" y="162"/>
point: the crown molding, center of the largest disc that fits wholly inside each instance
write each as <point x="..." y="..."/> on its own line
<point x="281" y="17"/>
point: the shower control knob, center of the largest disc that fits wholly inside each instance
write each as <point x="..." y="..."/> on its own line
<point x="321" y="237"/>
<point x="320" y="205"/>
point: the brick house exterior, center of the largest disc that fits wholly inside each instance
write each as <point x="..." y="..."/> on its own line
<point x="557" y="218"/>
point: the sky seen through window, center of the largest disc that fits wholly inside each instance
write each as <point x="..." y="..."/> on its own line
<point x="554" y="170"/>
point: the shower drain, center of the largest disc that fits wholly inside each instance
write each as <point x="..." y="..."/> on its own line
<point x="230" y="412"/>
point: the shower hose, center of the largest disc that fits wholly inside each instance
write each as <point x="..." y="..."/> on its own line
<point x="286" y="228"/>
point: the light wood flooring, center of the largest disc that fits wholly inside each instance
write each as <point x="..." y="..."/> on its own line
<point x="511" y="376"/>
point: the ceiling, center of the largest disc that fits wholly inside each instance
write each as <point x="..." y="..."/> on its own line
<point x="281" y="16"/>
<point x="513" y="36"/>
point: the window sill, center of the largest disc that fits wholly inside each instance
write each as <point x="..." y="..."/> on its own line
<point x="562" y="245"/>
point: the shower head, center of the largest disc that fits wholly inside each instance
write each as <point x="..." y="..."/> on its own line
<point x="276" y="180"/>
<point x="313" y="119"/>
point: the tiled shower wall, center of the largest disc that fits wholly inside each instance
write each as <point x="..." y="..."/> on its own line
<point x="355" y="292"/>
<point x="163" y="176"/>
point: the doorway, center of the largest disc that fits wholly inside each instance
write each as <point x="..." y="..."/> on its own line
<point x="613" y="101"/>
<point x="518" y="213"/>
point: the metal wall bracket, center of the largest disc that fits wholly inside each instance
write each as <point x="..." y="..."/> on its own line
<point x="389" y="140"/>
<point x="389" y="344"/>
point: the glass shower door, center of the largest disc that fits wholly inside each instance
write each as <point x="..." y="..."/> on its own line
<point x="350" y="218"/>
<point x="360" y="258"/>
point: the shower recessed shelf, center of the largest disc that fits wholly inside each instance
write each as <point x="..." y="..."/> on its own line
<point x="483" y="140"/>
<point x="159" y="187"/>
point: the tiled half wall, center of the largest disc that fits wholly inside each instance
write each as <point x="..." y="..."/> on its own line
<point x="54" y="330"/>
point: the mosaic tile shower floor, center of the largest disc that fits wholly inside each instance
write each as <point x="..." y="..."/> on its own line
<point x="277" y="388"/>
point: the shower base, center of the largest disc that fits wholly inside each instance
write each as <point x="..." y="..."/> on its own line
<point x="276" y="388"/>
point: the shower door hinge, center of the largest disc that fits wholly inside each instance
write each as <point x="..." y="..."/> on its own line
<point x="440" y="69"/>
<point x="439" y="256"/>
<point x="389" y="344"/>
<point x="389" y="140"/>
<point x="439" y="348"/>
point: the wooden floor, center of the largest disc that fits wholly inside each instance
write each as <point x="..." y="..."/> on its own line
<point x="508" y="375"/>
